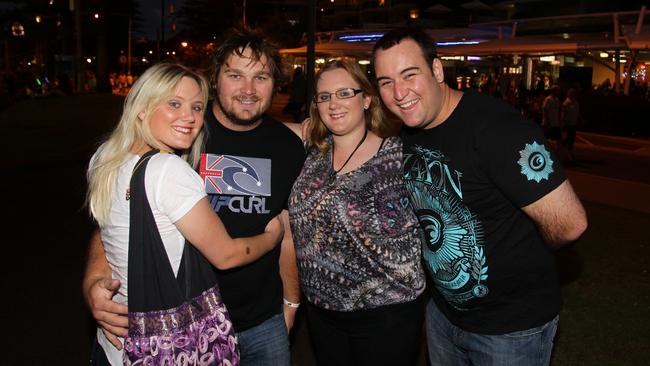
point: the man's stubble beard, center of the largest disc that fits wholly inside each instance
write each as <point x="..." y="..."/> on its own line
<point x="232" y="116"/>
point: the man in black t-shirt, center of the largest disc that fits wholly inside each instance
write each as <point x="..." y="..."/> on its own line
<point x="249" y="163"/>
<point x="493" y="202"/>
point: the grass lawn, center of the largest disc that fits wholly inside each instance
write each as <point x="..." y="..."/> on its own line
<point x="606" y="288"/>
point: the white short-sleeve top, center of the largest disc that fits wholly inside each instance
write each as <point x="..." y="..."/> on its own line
<point x="172" y="188"/>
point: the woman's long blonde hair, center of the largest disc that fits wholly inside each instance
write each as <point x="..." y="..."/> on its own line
<point x="375" y="117"/>
<point x="148" y="93"/>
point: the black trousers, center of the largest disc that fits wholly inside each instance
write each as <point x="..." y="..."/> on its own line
<point x="97" y="355"/>
<point x="389" y="335"/>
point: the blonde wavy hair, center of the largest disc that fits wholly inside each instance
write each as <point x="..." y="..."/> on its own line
<point x="149" y="92"/>
<point x="375" y="117"/>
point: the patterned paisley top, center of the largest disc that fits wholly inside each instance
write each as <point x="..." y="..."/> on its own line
<point x="356" y="236"/>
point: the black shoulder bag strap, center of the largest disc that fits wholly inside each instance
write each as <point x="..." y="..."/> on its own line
<point x="151" y="281"/>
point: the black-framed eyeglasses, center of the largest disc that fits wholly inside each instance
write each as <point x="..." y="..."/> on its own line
<point x="345" y="93"/>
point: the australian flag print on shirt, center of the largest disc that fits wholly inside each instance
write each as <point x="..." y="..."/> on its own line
<point x="235" y="175"/>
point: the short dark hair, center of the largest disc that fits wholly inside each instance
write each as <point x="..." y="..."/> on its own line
<point x="417" y="34"/>
<point x="235" y="43"/>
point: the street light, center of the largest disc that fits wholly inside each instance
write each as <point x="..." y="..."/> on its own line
<point x="17" y="29"/>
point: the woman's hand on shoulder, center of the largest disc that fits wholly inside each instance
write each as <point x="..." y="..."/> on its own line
<point x="305" y="129"/>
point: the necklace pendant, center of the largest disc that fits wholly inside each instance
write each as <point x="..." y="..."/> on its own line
<point x="333" y="179"/>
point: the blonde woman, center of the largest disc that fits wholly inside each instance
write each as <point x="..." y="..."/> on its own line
<point x="163" y="111"/>
<point x="357" y="240"/>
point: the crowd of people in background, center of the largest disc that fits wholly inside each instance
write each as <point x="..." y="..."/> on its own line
<point x="530" y="102"/>
<point x="121" y="82"/>
<point x="16" y="86"/>
<point x="603" y="108"/>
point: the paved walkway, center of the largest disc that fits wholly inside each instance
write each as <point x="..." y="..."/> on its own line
<point x="612" y="170"/>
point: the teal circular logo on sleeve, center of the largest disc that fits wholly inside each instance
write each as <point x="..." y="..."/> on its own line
<point x="535" y="161"/>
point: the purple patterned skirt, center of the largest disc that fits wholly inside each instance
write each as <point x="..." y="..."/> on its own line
<point x="195" y="333"/>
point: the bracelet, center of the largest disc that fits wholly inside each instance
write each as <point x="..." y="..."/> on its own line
<point x="291" y="304"/>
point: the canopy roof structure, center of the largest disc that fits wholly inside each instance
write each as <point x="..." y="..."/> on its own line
<point x="624" y="31"/>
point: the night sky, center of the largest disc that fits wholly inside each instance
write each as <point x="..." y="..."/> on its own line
<point x="150" y="10"/>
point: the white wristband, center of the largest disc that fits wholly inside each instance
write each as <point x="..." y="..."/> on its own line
<point x="290" y="304"/>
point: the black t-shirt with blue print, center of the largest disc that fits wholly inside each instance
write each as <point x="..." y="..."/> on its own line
<point x="248" y="176"/>
<point x="468" y="179"/>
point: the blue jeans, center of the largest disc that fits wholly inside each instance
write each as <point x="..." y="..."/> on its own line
<point x="449" y="345"/>
<point x="265" y="344"/>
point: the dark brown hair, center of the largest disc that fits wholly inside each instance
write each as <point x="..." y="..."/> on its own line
<point x="236" y="43"/>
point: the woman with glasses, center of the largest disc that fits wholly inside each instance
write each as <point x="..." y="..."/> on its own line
<point x="357" y="240"/>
